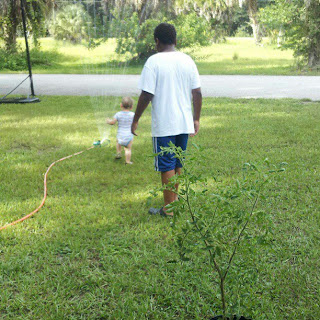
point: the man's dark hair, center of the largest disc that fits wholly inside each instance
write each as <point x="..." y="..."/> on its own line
<point x="166" y="33"/>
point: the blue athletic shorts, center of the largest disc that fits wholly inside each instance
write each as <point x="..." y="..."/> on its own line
<point x="167" y="162"/>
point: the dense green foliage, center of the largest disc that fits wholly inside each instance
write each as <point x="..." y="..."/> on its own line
<point x="136" y="38"/>
<point x="93" y="252"/>
<point x="71" y="23"/>
<point x="222" y="15"/>
<point x="192" y="31"/>
<point x="298" y="23"/>
<point x="14" y="61"/>
<point x="240" y="26"/>
<point x="132" y="37"/>
<point x="18" y="62"/>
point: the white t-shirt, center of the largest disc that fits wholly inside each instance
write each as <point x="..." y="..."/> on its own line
<point x="124" y="119"/>
<point x="170" y="77"/>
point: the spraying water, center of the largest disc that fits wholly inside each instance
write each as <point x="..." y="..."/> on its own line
<point x="99" y="58"/>
<point x="105" y="107"/>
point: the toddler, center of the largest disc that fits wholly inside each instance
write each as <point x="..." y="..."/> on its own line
<point x="124" y="135"/>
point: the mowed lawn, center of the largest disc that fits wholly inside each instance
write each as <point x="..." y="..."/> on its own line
<point x="93" y="252"/>
<point x="235" y="56"/>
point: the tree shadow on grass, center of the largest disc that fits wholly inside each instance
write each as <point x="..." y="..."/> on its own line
<point x="56" y="62"/>
<point x="115" y="66"/>
<point x="40" y="59"/>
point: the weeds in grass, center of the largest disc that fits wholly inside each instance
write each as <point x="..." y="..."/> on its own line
<point x="235" y="56"/>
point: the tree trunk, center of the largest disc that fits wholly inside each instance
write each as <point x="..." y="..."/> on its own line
<point x="314" y="55"/>
<point x="253" y="15"/>
<point x="11" y="27"/>
<point x="280" y="37"/>
<point x="312" y="18"/>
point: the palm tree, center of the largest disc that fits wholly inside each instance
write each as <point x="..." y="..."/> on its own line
<point x="71" y="23"/>
<point x="144" y="8"/>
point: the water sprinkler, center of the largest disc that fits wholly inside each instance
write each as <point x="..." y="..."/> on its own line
<point x="97" y="143"/>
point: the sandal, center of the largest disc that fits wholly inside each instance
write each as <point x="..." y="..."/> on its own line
<point x="160" y="211"/>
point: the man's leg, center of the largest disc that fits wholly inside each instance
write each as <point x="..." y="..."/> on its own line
<point x="178" y="172"/>
<point x="127" y="151"/>
<point x="168" y="195"/>
<point x="182" y="142"/>
<point x="164" y="163"/>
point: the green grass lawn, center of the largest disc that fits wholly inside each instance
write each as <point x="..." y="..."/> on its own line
<point x="236" y="56"/>
<point x="93" y="252"/>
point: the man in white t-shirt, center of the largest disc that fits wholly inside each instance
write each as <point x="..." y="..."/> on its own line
<point x="170" y="80"/>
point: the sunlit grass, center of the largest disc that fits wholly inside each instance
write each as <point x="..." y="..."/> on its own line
<point x="235" y="56"/>
<point x="93" y="252"/>
<point x="251" y="59"/>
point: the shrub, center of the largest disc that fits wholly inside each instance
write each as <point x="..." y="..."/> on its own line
<point x="15" y="61"/>
<point x="18" y="61"/>
<point x="192" y="31"/>
<point x="137" y="39"/>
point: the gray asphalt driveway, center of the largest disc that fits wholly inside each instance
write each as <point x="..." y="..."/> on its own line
<point x="298" y="87"/>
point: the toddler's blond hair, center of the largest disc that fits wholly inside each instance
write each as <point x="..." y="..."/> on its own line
<point x="127" y="102"/>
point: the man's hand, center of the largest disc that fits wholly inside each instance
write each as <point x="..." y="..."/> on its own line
<point x="143" y="102"/>
<point x="196" y="128"/>
<point x="197" y="104"/>
<point x="134" y="127"/>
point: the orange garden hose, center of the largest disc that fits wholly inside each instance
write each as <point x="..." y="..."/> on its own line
<point x="45" y="190"/>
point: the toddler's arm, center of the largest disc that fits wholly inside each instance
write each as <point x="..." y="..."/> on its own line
<point x="111" y="121"/>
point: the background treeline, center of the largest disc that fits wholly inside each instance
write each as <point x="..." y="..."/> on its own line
<point x="289" y="23"/>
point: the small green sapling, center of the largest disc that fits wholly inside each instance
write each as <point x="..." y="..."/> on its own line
<point x="213" y="217"/>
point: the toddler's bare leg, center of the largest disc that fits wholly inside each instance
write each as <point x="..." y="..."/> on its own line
<point x="127" y="151"/>
<point x="118" y="151"/>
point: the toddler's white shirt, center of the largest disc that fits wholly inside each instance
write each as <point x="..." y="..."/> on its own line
<point x="124" y="119"/>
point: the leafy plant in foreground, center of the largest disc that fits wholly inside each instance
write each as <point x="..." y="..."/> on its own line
<point x="215" y="221"/>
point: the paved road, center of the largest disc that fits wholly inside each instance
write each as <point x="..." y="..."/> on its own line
<point x="298" y="87"/>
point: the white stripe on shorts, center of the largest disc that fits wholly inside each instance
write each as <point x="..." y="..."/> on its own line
<point x="155" y="147"/>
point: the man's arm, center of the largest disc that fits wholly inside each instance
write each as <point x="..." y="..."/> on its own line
<point x="144" y="100"/>
<point x="197" y="104"/>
